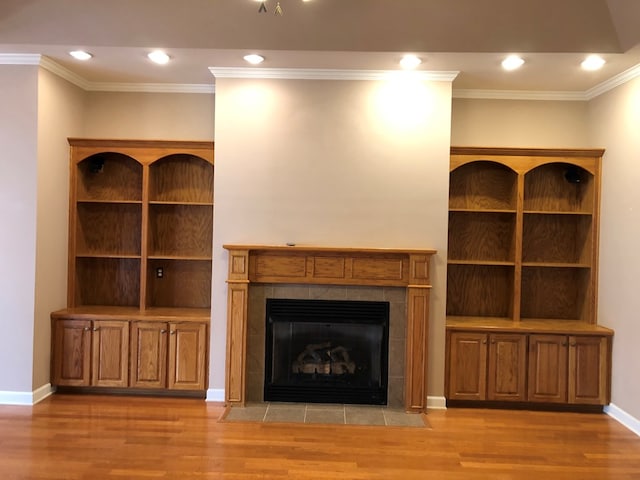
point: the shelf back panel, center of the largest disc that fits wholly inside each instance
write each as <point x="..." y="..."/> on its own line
<point x="480" y="290"/>
<point x="109" y="177"/>
<point x="559" y="187"/>
<point x="108" y="282"/>
<point x="106" y="228"/>
<point x="184" y="283"/>
<point x="181" y="178"/>
<point x="556" y="293"/>
<point x="483" y="185"/>
<point x="482" y="236"/>
<point x="557" y="238"/>
<point x="180" y="230"/>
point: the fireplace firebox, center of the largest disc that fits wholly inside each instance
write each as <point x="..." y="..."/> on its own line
<point x="326" y="351"/>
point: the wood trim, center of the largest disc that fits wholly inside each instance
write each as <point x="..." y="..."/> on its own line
<point x="535" y="152"/>
<point x="380" y="267"/>
<point x="123" y="143"/>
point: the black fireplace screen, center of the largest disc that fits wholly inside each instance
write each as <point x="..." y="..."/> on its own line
<point x="326" y="351"/>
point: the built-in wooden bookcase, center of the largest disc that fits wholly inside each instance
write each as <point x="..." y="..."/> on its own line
<point x="140" y="242"/>
<point x="522" y="253"/>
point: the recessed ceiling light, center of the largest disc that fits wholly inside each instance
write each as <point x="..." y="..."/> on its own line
<point x="80" y="55"/>
<point x="410" y="61"/>
<point x="254" y="59"/>
<point x="593" y="62"/>
<point x="159" y="57"/>
<point x="512" y="62"/>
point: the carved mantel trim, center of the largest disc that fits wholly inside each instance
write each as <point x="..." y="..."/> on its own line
<point x="380" y="267"/>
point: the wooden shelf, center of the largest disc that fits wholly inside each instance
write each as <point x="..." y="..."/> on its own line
<point x="140" y="265"/>
<point x="521" y="278"/>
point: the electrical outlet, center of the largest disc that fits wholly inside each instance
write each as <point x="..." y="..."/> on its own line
<point x="159" y="272"/>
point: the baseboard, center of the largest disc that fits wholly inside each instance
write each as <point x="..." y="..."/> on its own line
<point x="26" y="398"/>
<point x="436" y="403"/>
<point x="623" y="417"/>
<point x="215" y="395"/>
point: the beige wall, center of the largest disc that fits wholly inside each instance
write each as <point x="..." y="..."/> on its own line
<point x="18" y="190"/>
<point x="60" y="114"/>
<point x="519" y="123"/>
<point x="615" y="124"/>
<point x="153" y="116"/>
<point x="337" y="163"/>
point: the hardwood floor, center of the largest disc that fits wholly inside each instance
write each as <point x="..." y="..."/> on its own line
<point x="95" y="437"/>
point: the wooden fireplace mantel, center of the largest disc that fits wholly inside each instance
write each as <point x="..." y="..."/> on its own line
<point x="380" y="267"/>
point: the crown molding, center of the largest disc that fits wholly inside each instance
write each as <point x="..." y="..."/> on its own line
<point x="314" y="74"/>
<point x="326" y="74"/>
<point x="613" y="82"/>
<point x="20" y="58"/>
<point x="519" y="95"/>
<point x="150" y="87"/>
<point x="65" y="73"/>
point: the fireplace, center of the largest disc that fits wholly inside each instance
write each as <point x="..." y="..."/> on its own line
<point x="326" y="351"/>
<point x="252" y="266"/>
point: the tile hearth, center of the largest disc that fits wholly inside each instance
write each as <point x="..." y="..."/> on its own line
<point x="334" y="414"/>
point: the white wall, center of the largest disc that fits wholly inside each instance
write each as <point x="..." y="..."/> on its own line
<point x="336" y="163"/>
<point x="615" y="124"/>
<point x="60" y="115"/>
<point x="18" y="189"/>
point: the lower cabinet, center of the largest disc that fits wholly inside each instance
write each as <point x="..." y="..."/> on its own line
<point x="168" y="355"/>
<point x="528" y="367"/>
<point x="569" y="369"/>
<point x="486" y="366"/>
<point x="90" y="353"/>
<point x="129" y="354"/>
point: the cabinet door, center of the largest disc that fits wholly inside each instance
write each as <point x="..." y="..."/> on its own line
<point x="187" y="351"/>
<point x="110" y="353"/>
<point x="72" y="353"/>
<point x="547" y="368"/>
<point x="148" y="355"/>
<point x="588" y="370"/>
<point x="507" y="367"/>
<point x="467" y="366"/>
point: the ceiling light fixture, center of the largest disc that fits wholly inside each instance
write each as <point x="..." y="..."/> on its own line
<point x="159" y="57"/>
<point x="593" y="62"/>
<point x="80" y="55"/>
<point x="410" y="62"/>
<point x="276" y="11"/>
<point x="254" y="58"/>
<point x="512" y="62"/>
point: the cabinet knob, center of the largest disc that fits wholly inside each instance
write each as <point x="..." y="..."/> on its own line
<point x="87" y="329"/>
<point x="95" y="329"/>
<point x="484" y="341"/>
<point x="572" y="344"/>
<point x="173" y="332"/>
<point x="163" y="331"/>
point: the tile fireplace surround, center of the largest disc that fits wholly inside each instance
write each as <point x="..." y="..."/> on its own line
<point x="328" y="273"/>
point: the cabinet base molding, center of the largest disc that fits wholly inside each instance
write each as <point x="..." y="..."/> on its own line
<point x="533" y="406"/>
<point x="132" y="392"/>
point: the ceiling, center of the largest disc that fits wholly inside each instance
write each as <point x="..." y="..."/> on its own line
<point x="469" y="36"/>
